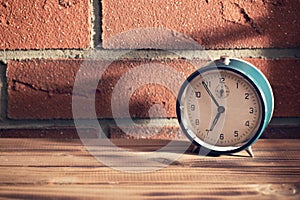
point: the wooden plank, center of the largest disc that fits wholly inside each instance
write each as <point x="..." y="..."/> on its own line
<point x="114" y="190"/>
<point x="63" y="169"/>
<point x="88" y="175"/>
<point x="68" y="144"/>
<point x="36" y="152"/>
<point x="25" y="144"/>
<point x="57" y="158"/>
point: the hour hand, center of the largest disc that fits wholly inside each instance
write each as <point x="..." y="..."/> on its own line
<point x="214" y="123"/>
<point x="221" y="110"/>
<point x="210" y="94"/>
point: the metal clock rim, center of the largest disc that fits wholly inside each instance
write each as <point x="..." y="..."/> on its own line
<point x="217" y="66"/>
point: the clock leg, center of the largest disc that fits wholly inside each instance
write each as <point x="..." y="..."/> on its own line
<point x="203" y="151"/>
<point x="249" y="151"/>
<point x="195" y="149"/>
<point x="200" y="151"/>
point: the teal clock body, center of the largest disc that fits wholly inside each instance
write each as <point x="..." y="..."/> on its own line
<point x="225" y="106"/>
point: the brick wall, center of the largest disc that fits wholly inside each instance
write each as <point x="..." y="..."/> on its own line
<point x="43" y="44"/>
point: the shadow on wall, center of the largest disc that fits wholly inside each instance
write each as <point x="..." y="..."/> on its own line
<point x="275" y="24"/>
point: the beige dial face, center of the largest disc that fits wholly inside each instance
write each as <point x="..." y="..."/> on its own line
<point x="221" y="109"/>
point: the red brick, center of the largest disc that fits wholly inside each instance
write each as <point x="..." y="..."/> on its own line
<point x="277" y="132"/>
<point x="46" y="24"/>
<point x="42" y="89"/>
<point x="213" y="24"/>
<point x="38" y="133"/>
<point x="48" y="132"/>
<point x="283" y="75"/>
<point x="145" y="132"/>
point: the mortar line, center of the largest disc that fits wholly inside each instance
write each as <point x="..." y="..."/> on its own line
<point x="3" y="93"/>
<point x="153" y="54"/>
<point x="95" y="9"/>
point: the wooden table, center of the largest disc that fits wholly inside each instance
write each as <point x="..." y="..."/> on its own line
<point x="63" y="169"/>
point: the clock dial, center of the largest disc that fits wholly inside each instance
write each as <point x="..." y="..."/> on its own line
<point x="221" y="109"/>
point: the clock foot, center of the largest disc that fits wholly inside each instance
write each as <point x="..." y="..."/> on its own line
<point x="203" y="151"/>
<point x="195" y="149"/>
<point x="250" y="152"/>
<point x="200" y="151"/>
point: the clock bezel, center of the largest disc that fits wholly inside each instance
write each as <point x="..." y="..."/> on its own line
<point x="220" y="66"/>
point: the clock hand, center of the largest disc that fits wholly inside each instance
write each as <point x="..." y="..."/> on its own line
<point x="210" y="94"/>
<point x="214" y="123"/>
<point x="221" y="110"/>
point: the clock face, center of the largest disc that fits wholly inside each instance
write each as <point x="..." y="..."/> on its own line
<point x="220" y="109"/>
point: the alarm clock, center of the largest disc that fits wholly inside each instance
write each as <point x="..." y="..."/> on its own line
<point x="225" y="106"/>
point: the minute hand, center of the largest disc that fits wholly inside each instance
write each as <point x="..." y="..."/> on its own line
<point x="210" y="94"/>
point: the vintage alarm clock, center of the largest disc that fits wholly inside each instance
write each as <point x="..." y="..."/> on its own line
<point x="225" y="106"/>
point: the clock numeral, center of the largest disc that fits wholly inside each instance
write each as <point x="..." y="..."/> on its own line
<point x="251" y="110"/>
<point x="247" y="95"/>
<point x="237" y="85"/>
<point x="247" y="123"/>
<point x="197" y="121"/>
<point x="236" y="133"/>
<point x="222" y="80"/>
<point x="198" y="94"/>
<point x="193" y="107"/>
<point x="221" y="136"/>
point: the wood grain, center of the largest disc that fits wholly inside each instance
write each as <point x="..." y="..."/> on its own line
<point x="63" y="169"/>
